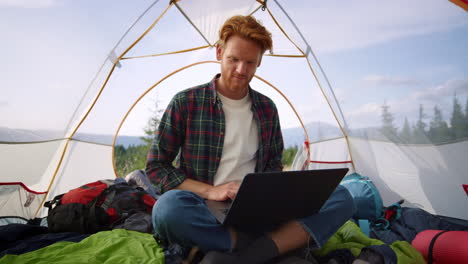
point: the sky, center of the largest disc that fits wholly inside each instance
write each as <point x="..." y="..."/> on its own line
<point x="399" y="53"/>
<point x="402" y="53"/>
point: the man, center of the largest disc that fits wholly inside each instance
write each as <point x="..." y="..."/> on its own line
<point x="224" y="129"/>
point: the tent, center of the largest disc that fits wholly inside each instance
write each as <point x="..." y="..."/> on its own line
<point x="76" y="75"/>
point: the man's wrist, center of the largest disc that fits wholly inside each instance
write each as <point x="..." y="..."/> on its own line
<point x="207" y="192"/>
<point x="202" y="189"/>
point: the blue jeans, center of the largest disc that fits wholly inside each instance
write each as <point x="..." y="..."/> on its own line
<point x="182" y="217"/>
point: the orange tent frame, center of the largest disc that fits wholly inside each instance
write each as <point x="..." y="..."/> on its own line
<point x="462" y="3"/>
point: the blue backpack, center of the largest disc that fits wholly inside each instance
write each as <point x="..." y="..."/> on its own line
<point x="367" y="200"/>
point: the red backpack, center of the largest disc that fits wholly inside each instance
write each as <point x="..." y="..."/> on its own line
<point x="96" y="206"/>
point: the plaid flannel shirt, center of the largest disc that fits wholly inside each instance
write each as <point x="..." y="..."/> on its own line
<point x="194" y="124"/>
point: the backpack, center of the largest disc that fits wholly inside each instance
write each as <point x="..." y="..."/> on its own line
<point x="370" y="210"/>
<point x="96" y="206"/>
<point x="366" y="197"/>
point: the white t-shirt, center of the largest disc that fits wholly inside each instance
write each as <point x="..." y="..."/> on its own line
<point x="240" y="141"/>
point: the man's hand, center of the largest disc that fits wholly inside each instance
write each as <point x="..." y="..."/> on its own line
<point x="223" y="192"/>
<point x="215" y="193"/>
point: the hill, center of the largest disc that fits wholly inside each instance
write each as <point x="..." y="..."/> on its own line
<point x="291" y="136"/>
<point x="316" y="130"/>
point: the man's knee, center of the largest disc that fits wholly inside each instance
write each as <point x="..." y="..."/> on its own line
<point x="168" y="208"/>
<point x="347" y="202"/>
<point x="340" y="200"/>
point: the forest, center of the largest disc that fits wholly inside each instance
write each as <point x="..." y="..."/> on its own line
<point x="428" y="129"/>
<point x="128" y="159"/>
<point x="134" y="158"/>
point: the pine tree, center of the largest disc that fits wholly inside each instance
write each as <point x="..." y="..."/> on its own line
<point x="438" y="129"/>
<point x="419" y="131"/>
<point x="152" y="125"/>
<point x="134" y="157"/>
<point x="388" y="129"/>
<point x="405" y="134"/>
<point x="457" y="120"/>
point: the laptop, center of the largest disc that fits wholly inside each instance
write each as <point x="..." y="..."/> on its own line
<point x="268" y="199"/>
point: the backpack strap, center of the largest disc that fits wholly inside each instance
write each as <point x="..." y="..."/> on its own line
<point x="430" y="258"/>
<point x="393" y="212"/>
<point x="364" y="224"/>
<point x="109" y="193"/>
<point x="56" y="201"/>
<point x="381" y="224"/>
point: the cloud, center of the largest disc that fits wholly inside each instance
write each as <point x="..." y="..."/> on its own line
<point x="357" y="24"/>
<point x="3" y="103"/>
<point x="367" y="115"/>
<point x="341" y="95"/>
<point x="379" y="80"/>
<point x="441" y="95"/>
<point x="27" y="3"/>
<point x="369" y="108"/>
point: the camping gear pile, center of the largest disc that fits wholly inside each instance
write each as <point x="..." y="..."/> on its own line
<point x="82" y="87"/>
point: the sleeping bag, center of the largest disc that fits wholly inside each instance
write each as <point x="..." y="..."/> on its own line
<point x="442" y="247"/>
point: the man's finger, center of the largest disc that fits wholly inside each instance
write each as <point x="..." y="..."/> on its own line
<point x="234" y="186"/>
<point x="232" y="194"/>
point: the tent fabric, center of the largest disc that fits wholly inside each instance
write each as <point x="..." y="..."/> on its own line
<point x="208" y="16"/>
<point x="17" y="193"/>
<point x="116" y="246"/>
<point x="416" y="173"/>
<point x="322" y="158"/>
<point x="97" y="77"/>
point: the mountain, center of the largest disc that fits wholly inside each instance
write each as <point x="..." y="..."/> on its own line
<point x="125" y="141"/>
<point x="24" y="135"/>
<point x="316" y="130"/>
<point x="291" y="136"/>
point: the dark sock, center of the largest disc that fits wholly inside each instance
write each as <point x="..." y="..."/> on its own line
<point x="371" y="256"/>
<point x="260" y="251"/>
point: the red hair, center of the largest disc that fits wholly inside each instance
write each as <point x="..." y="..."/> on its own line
<point x="246" y="27"/>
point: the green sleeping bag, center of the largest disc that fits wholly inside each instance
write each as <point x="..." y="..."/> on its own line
<point x="350" y="236"/>
<point x="112" y="247"/>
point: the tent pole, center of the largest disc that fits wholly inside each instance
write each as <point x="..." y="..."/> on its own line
<point x="146" y="32"/>
<point x="167" y="53"/>
<point x="184" y="68"/>
<point x="141" y="97"/>
<point x="309" y="50"/>
<point x="284" y="32"/>
<point x="108" y="58"/>
<point x="193" y="25"/>
<point x="290" y="104"/>
<point x="334" y="114"/>
<point x="70" y="137"/>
